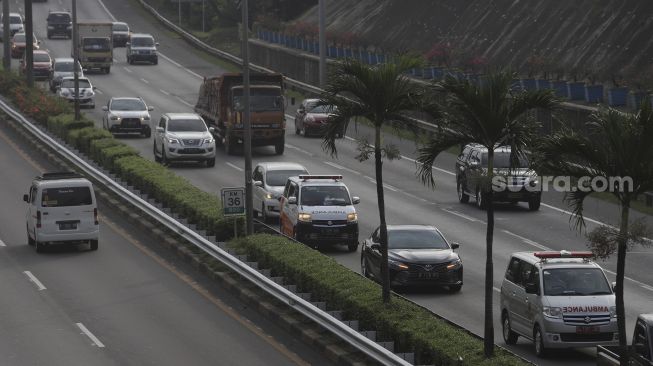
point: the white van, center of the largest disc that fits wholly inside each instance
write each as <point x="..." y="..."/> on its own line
<point x="61" y="208"/>
<point x="558" y="300"/>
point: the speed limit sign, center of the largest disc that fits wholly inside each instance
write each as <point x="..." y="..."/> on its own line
<point x="233" y="201"/>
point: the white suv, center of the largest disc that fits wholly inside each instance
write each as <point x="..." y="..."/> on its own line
<point x="269" y="180"/>
<point x="557" y="300"/>
<point x="184" y="137"/>
<point x="124" y="115"/>
<point x="317" y="209"/>
<point x="61" y="208"/>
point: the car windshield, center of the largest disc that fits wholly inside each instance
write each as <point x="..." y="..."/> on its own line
<point x="278" y="178"/>
<point x="96" y="44"/>
<point x="65" y="66"/>
<point x="416" y="239"/>
<point x="502" y="160"/>
<point x="325" y="196"/>
<point x="67" y="196"/>
<point x="142" y="42"/>
<point x="41" y="57"/>
<point x="575" y="282"/>
<point x="261" y="100"/>
<point x="128" y="105"/>
<point x="59" y="18"/>
<point x="186" y="125"/>
<point x="324" y="109"/>
<point x="15" y="20"/>
<point x="70" y="83"/>
<point x="120" y="27"/>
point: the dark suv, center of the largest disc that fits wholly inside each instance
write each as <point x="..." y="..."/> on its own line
<point x="517" y="183"/>
<point x="60" y="24"/>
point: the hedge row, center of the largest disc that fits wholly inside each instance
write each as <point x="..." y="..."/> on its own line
<point x="412" y="328"/>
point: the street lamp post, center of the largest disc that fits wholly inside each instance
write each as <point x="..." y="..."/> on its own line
<point x="247" y="145"/>
<point x="29" y="43"/>
<point x="322" y="39"/>
<point x="6" y="60"/>
<point x="76" y="61"/>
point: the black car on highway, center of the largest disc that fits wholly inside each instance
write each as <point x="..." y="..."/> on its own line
<point x="60" y="24"/>
<point x="417" y="255"/>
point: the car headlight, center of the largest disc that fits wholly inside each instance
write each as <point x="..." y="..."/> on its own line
<point x="310" y="119"/>
<point x="397" y="265"/>
<point x="64" y="93"/>
<point x="114" y="118"/>
<point x="89" y="93"/>
<point x="145" y="118"/>
<point x="269" y="196"/>
<point x="552" y="312"/>
<point x="454" y="265"/>
<point x="305" y="217"/>
<point x="172" y="141"/>
<point x="208" y="141"/>
<point x="613" y="312"/>
<point x="352" y="217"/>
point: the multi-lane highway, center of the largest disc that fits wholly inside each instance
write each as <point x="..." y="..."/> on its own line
<point x="172" y="86"/>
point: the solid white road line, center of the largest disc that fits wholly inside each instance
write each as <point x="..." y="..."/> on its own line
<point x="35" y="280"/>
<point x="164" y="92"/>
<point x="88" y="333"/>
<point x="298" y="149"/>
<point x="99" y="91"/>
<point x="469" y="218"/>
<point x="127" y="69"/>
<point x="185" y="102"/>
<point x="527" y="241"/>
<point x="236" y="167"/>
<point x="2" y="243"/>
<point x="341" y="167"/>
<point x="107" y="10"/>
<point x="145" y="81"/>
<point x="171" y="61"/>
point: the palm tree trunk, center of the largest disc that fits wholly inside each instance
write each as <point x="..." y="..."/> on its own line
<point x="378" y="162"/>
<point x="488" y="334"/>
<point x="621" y="269"/>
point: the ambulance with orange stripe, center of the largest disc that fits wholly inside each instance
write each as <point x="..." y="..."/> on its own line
<point x="558" y="300"/>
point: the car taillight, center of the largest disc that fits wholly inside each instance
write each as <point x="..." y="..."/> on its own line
<point x="38" y="219"/>
<point x="95" y="216"/>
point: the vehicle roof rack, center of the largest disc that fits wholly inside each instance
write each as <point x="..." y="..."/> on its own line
<point x="305" y="177"/>
<point x="585" y="255"/>
<point x="59" y="175"/>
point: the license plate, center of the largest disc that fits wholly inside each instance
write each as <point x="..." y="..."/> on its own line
<point x="587" y="330"/>
<point x="428" y="275"/>
<point x="68" y="226"/>
<point x="330" y="231"/>
<point x="514" y="195"/>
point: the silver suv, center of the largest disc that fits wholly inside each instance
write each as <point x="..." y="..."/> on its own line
<point x="61" y="68"/>
<point x="15" y="24"/>
<point x="184" y="137"/>
<point x="124" y="115"/>
<point x="141" y="48"/>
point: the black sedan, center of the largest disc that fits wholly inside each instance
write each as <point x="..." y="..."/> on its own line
<point x="417" y="255"/>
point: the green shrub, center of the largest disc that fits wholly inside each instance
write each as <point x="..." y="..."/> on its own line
<point x="112" y="153"/>
<point x="62" y="123"/>
<point x="413" y="329"/>
<point x="84" y="136"/>
<point x="97" y="146"/>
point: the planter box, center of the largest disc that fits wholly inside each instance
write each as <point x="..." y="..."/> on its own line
<point x="594" y="93"/>
<point x="543" y="84"/>
<point x="618" y="97"/>
<point x="576" y="90"/>
<point x="560" y="88"/>
<point x="528" y="84"/>
<point x="635" y="98"/>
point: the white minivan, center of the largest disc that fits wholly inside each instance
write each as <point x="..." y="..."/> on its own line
<point x="61" y="208"/>
<point x="557" y="300"/>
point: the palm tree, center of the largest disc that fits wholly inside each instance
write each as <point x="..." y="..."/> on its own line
<point x="491" y="115"/>
<point x="618" y="146"/>
<point x="381" y="94"/>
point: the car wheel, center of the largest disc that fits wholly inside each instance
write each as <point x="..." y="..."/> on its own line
<point x="462" y="196"/>
<point x="534" y="203"/>
<point x="352" y="246"/>
<point x="156" y="61"/>
<point x="304" y="131"/>
<point x="297" y="129"/>
<point x="210" y="163"/>
<point x="129" y="60"/>
<point x="279" y="148"/>
<point x="480" y="200"/>
<point x="164" y="159"/>
<point x="40" y="247"/>
<point x="455" y="288"/>
<point x="538" y="342"/>
<point x="509" y="336"/>
<point x="156" y="158"/>
<point x="264" y="215"/>
<point x="147" y="133"/>
<point x="94" y="244"/>
<point x="30" y="241"/>
<point x="364" y="270"/>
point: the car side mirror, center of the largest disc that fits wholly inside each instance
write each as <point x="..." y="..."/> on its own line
<point x="455" y="245"/>
<point x="355" y="200"/>
<point x="94" y="88"/>
<point x="150" y="109"/>
<point x="258" y="183"/>
<point x="375" y="246"/>
<point x="157" y="44"/>
<point x="38" y="42"/>
<point x="292" y="200"/>
<point x="614" y="286"/>
<point x="105" y="108"/>
<point x="159" y="129"/>
<point x="301" y="111"/>
<point x="212" y="129"/>
<point x="531" y="288"/>
<point x="25" y="198"/>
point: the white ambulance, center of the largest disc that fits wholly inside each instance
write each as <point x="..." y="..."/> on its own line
<point x="558" y="300"/>
<point x="317" y="209"/>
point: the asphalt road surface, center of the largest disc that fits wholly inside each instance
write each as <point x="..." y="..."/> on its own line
<point x="172" y="86"/>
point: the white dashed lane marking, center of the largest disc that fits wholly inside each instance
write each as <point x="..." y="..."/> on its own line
<point x="236" y="167"/>
<point x="2" y="243"/>
<point x="88" y="333"/>
<point x="164" y="92"/>
<point x="527" y="241"/>
<point x="127" y="69"/>
<point x="145" y="81"/>
<point x="35" y="280"/>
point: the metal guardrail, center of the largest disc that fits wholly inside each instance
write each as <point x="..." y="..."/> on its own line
<point x="339" y="329"/>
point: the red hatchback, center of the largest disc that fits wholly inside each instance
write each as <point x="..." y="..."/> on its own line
<point x="42" y="64"/>
<point x="313" y="119"/>
<point x="18" y="44"/>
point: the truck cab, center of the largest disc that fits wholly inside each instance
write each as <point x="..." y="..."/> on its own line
<point x="95" y="45"/>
